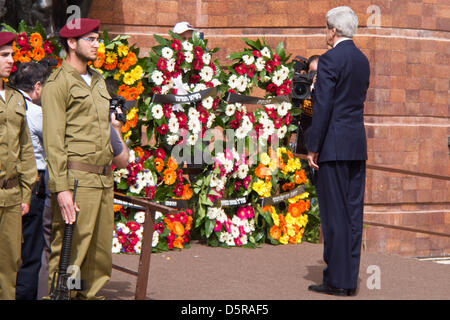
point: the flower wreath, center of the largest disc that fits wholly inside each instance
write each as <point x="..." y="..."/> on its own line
<point x="32" y="44"/>
<point x="179" y="67"/>
<point x="118" y="61"/>
<point x="259" y="66"/>
<point x="227" y="226"/>
<point x="278" y="172"/>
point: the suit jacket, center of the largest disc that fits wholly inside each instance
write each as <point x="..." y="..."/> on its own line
<point x="337" y="131"/>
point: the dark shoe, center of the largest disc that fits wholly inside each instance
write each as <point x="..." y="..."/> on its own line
<point x="322" y="288"/>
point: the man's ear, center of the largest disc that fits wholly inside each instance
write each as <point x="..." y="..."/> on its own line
<point x="72" y="43"/>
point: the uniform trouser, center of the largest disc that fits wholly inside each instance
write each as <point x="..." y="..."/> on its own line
<point x="47" y="219"/>
<point x="10" y="244"/>
<point x="33" y="243"/>
<point x="340" y="190"/>
<point x="92" y="239"/>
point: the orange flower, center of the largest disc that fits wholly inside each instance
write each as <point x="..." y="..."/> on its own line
<point x="133" y="122"/>
<point x="172" y="164"/>
<point x="296" y="209"/>
<point x="24" y="56"/>
<point x="131" y="58"/>
<point x="98" y="63"/>
<point x="133" y="94"/>
<point x="281" y="163"/>
<point x="268" y="209"/>
<point x="262" y="172"/>
<point x="117" y="207"/>
<point x="275" y="232"/>
<point x="178" y="243"/>
<point x="159" y="164"/>
<point x="125" y="127"/>
<point x="38" y="54"/>
<point x="124" y="64"/>
<point x="140" y="88"/>
<point x="189" y="223"/>
<point x="139" y="151"/>
<point x="300" y="177"/>
<point x="187" y="192"/>
<point x="123" y="91"/>
<point x="170" y="176"/>
<point x="178" y="228"/>
<point x="288" y="186"/>
<point x="36" y="40"/>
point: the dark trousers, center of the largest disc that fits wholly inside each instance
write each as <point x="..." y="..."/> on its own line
<point x="340" y="190"/>
<point x="33" y="243"/>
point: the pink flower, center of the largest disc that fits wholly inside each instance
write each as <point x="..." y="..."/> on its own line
<point x="241" y="213"/>
<point x="238" y="242"/>
<point x="218" y="226"/>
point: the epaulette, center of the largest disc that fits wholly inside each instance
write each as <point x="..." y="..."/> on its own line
<point x="10" y="86"/>
<point x="54" y="74"/>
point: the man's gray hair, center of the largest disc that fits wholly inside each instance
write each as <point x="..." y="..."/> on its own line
<point x="344" y="20"/>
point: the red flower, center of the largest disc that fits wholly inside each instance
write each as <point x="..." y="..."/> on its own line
<point x="198" y="52"/>
<point x="182" y="120"/>
<point x="257" y="54"/>
<point x="176" y="45"/>
<point x="156" y="90"/>
<point x="234" y="124"/>
<point x="270" y="66"/>
<point x="198" y="64"/>
<point x="162" y="64"/>
<point x="272" y="87"/>
<point x="194" y="79"/>
<point x="150" y="192"/>
<point x="288" y="119"/>
<point x="271" y="112"/>
<point x="167" y="109"/>
<point x="250" y="71"/>
<point x="276" y="60"/>
<point x="159" y="153"/>
<point x="204" y="115"/>
<point x="278" y="123"/>
<point x="178" y="189"/>
<point x="241" y="69"/>
<point x="22" y="39"/>
<point x="251" y="117"/>
<point x="48" y="47"/>
<point x="180" y="58"/>
<point x="133" y="226"/>
<point x="283" y="90"/>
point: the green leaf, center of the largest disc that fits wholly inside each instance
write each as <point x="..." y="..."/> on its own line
<point x="161" y="40"/>
<point x="209" y="227"/>
<point x="279" y="49"/>
<point x="8" y="28"/>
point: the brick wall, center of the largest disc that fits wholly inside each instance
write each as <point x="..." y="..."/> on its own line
<point x="407" y="109"/>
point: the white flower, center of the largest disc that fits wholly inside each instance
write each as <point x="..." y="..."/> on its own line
<point x="172" y="139"/>
<point x="242" y="171"/>
<point x="138" y="247"/>
<point x="246" y="123"/>
<point x="277" y="79"/>
<point x="223" y="236"/>
<point x="246" y="226"/>
<point x="216" y="82"/>
<point x="171" y="65"/>
<point x="241" y="84"/>
<point x="211" y="119"/>
<point x="173" y="124"/>
<point x="252" y="225"/>
<point x="284" y="71"/>
<point x="248" y="60"/>
<point x="158" y="215"/>
<point x="199" y="87"/>
<point x="264" y="118"/>
<point x="140" y="217"/>
<point x="167" y="53"/>
<point x="116" y="246"/>
<point x="157" y="77"/>
<point x="192" y="113"/>
<point x="131" y="157"/>
<point x="192" y="139"/>
<point x="155" y="239"/>
<point x="212" y="213"/>
<point x="228" y="165"/>
<point x="157" y="111"/>
<point x="194" y="125"/>
<point x="189" y="57"/>
<point x="236" y="221"/>
<point x="260" y="64"/>
<point x="244" y="239"/>
<point x="282" y="132"/>
<point x="206" y="74"/>
<point x="234" y="231"/>
<point x="137" y="187"/>
<point x="230" y="109"/>
<point x="232" y="81"/>
<point x="221" y="183"/>
<point x="119" y="174"/>
<point x="221" y="215"/>
<point x="206" y="57"/>
<point x="266" y="52"/>
<point x="269" y="127"/>
<point x="187" y="46"/>
<point x="214" y="182"/>
<point x="208" y="102"/>
<point x="241" y="133"/>
<point x="122" y="227"/>
<point x="283" y="108"/>
<point x="230" y="241"/>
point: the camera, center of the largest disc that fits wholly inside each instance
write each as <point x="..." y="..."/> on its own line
<point x="122" y="104"/>
<point x="302" y="79"/>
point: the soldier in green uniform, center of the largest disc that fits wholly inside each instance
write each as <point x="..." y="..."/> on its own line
<point x="77" y="144"/>
<point x="17" y="171"/>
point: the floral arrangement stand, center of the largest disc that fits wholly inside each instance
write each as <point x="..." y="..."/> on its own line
<point x="149" y="225"/>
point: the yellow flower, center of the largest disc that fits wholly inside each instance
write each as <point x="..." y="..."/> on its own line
<point x="127" y="135"/>
<point x="280" y="151"/>
<point x="275" y="218"/>
<point x="290" y="231"/>
<point x="137" y="73"/>
<point x="122" y="50"/>
<point x="284" y="239"/>
<point x="289" y="219"/>
<point x="111" y="57"/>
<point x="128" y="79"/>
<point x="262" y="188"/>
<point x="118" y="75"/>
<point x="101" y="48"/>
<point x="131" y="114"/>
<point x="265" y="159"/>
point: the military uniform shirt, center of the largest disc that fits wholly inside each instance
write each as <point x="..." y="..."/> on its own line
<point x="76" y="128"/>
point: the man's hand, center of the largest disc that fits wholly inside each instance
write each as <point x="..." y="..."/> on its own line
<point x="116" y="123"/>
<point x="25" y="208"/>
<point x="67" y="207"/>
<point x="312" y="159"/>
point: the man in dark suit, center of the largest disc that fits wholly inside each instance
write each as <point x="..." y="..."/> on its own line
<point x="337" y="149"/>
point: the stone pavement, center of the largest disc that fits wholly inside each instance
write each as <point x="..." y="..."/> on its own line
<point x="273" y="273"/>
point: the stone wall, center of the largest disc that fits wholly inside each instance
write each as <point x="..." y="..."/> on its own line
<point x="407" y="109"/>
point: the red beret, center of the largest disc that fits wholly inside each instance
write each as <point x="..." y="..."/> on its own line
<point x="79" y="27"/>
<point x="6" y="37"/>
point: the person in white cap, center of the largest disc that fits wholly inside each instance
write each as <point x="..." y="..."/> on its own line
<point x="184" y="29"/>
